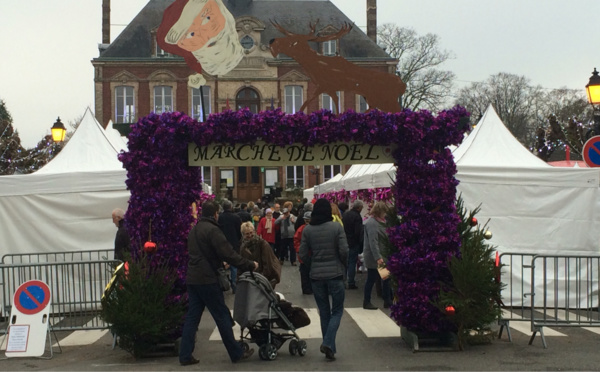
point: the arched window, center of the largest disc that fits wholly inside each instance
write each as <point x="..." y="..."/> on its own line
<point x="248" y="97"/>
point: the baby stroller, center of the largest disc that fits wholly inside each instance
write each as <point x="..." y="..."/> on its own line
<point x="260" y="313"/>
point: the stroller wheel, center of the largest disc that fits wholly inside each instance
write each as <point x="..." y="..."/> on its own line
<point x="244" y="345"/>
<point x="293" y="347"/>
<point x="267" y="352"/>
<point x="302" y="348"/>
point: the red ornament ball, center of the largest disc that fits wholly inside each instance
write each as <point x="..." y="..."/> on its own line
<point x="150" y="247"/>
<point x="450" y="310"/>
<point x="473" y="221"/>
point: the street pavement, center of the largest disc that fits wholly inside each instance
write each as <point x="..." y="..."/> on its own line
<point x="368" y="340"/>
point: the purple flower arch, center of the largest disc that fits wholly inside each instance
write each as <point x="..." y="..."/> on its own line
<point x="163" y="187"/>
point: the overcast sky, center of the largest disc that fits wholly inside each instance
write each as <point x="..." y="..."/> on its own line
<point x="47" y="46"/>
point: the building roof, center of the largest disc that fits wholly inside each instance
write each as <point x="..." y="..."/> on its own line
<point x="135" y="41"/>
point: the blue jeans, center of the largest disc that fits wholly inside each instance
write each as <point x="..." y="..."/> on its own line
<point x="352" y="258"/>
<point x="330" y="314"/>
<point x="386" y="289"/>
<point x="207" y="296"/>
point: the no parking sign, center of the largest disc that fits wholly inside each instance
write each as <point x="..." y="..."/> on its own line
<point x="32" y="297"/>
<point x="591" y="152"/>
<point x="28" y="323"/>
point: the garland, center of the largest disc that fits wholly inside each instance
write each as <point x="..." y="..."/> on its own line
<point x="163" y="187"/>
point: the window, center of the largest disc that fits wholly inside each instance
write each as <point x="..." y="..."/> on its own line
<point x="197" y="107"/>
<point x="124" y="108"/>
<point x="248" y="97"/>
<point x="293" y="98"/>
<point x="255" y="175"/>
<point x="330" y="48"/>
<point x="206" y="175"/>
<point x="328" y="103"/>
<point x="160" y="52"/>
<point x="363" y="106"/>
<point x="242" y="175"/>
<point x="163" y="99"/>
<point x="329" y="171"/>
<point x="294" y="176"/>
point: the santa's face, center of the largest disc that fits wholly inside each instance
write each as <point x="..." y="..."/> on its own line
<point x="207" y="24"/>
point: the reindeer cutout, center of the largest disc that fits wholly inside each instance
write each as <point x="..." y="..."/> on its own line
<point x="334" y="73"/>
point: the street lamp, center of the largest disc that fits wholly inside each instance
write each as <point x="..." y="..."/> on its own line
<point x="593" y="93"/>
<point x="58" y="131"/>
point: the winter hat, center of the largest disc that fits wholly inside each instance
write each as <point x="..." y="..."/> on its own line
<point x="321" y="212"/>
<point x="307" y="215"/>
<point x="269" y="210"/>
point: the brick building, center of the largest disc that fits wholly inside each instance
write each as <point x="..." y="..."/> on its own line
<point x="134" y="77"/>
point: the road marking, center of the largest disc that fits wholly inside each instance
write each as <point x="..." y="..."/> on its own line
<point x="374" y="323"/>
<point x="83" y="337"/>
<point x="524" y="326"/>
<point x="563" y="315"/>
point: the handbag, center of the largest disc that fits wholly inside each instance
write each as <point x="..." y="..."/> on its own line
<point x="384" y="273"/>
<point x="223" y="279"/>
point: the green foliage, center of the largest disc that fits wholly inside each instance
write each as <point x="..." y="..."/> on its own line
<point x="475" y="289"/>
<point x="139" y="308"/>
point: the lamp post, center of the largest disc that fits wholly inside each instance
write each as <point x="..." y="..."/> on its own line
<point x="58" y="131"/>
<point x="317" y="172"/>
<point x="593" y="93"/>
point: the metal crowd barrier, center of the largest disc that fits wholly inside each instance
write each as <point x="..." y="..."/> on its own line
<point x="549" y="290"/>
<point x="76" y="290"/>
<point x="516" y="296"/>
<point x="566" y="292"/>
<point x="46" y="257"/>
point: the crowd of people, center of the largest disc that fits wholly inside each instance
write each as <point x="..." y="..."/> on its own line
<point x="325" y="240"/>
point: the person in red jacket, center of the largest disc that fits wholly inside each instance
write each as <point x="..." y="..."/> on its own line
<point x="267" y="229"/>
<point x="304" y="269"/>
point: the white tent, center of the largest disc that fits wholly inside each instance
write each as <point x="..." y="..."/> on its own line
<point x="330" y="185"/>
<point x="532" y="206"/>
<point x="66" y="205"/>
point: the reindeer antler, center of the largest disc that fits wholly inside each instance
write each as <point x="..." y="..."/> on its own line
<point x="280" y="28"/>
<point x="346" y="27"/>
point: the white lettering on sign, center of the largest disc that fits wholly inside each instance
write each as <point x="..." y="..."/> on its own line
<point x="265" y="154"/>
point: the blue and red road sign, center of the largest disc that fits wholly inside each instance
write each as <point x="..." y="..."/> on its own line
<point x="32" y="297"/>
<point x="591" y="152"/>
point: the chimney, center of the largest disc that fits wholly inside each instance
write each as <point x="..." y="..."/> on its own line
<point x="372" y="19"/>
<point x="105" y="21"/>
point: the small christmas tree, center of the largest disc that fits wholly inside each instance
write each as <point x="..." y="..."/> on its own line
<point x="472" y="299"/>
<point x="139" y="307"/>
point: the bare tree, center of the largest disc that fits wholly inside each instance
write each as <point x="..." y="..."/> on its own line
<point x="420" y="59"/>
<point x="563" y="120"/>
<point x="513" y="98"/>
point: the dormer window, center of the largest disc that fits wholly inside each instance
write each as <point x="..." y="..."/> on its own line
<point x="159" y="52"/>
<point x="330" y="48"/>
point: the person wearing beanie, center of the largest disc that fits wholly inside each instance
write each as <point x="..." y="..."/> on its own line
<point x="324" y="249"/>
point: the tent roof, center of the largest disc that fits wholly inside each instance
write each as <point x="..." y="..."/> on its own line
<point x="492" y="144"/>
<point x="115" y="138"/>
<point x="331" y="184"/>
<point x="88" y="150"/>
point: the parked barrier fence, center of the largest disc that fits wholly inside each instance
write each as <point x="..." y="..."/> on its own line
<point x="76" y="289"/>
<point x="550" y="290"/>
<point x="47" y="257"/>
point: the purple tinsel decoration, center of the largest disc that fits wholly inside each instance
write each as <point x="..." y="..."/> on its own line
<point x="163" y="186"/>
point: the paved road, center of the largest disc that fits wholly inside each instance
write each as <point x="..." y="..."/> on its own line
<point x="367" y="340"/>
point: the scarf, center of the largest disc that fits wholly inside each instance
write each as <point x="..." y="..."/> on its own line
<point x="269" y="225"/>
